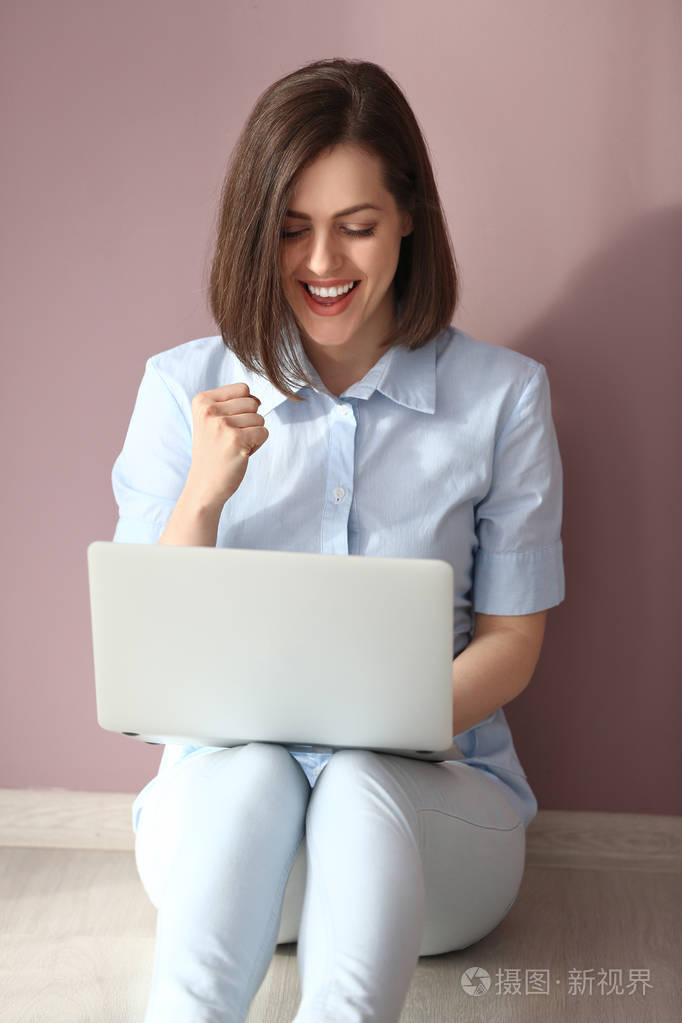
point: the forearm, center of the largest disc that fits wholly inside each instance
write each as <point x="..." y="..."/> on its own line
<point x="494" y="668"/>
<point x="191" y="524"/>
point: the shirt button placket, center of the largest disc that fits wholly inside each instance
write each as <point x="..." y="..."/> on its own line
<point x="339" y="489"/>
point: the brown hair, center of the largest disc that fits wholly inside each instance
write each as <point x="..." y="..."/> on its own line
<point x="294" y="120"/>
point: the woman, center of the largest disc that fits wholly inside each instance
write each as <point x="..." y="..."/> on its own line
<point x="339" y="412"/>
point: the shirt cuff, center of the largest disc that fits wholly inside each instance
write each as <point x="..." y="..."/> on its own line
<point x="518" y="582"/>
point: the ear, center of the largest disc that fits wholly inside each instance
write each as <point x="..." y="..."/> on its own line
<point x="406" y="224"/>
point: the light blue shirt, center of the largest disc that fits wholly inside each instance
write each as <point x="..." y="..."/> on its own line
<point x="445" y="452"/>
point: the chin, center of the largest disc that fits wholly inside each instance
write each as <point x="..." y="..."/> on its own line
<point x="325" y="331"/>
<point x="329" y="337"/>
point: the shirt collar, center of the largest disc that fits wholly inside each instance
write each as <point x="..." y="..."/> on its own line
<point x="410" y="377"/>
<point x="406" y="377"/>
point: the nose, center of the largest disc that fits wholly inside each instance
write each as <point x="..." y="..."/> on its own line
<point x="323" y="254"/>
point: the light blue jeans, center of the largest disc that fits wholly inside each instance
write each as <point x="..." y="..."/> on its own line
<point x="396" y="858"/>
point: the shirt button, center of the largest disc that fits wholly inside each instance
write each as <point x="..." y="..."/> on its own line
<point x="338" y="494"/>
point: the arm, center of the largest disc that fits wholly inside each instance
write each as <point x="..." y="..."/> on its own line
<point x="496" y="666"/>
<point x="191" y="524"/>
<point x="227" y="430"/>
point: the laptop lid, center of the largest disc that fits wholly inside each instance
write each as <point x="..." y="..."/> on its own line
<point x="223" y="646"/>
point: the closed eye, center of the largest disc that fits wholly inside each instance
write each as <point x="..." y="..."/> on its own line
<point x="366" y="233"/>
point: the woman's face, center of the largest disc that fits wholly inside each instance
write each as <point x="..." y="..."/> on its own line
<point x="342" y="228"/>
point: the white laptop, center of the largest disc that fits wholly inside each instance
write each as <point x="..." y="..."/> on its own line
<point x="221" y="646"/>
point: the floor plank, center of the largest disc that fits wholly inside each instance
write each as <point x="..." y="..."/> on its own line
<point x="77" y="946"/>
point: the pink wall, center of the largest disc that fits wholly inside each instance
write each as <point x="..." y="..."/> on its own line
<point x="552" y="130"/>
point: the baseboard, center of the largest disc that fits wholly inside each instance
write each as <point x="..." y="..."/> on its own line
<point x="65" y="819"/>
<point x="600" y="840"/>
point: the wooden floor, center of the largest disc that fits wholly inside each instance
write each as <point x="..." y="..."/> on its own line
<point x="601" y="897"/>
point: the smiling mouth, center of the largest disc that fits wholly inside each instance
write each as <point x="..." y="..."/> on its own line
<point x="331" y="305"/>
<point x="330" y="299"/>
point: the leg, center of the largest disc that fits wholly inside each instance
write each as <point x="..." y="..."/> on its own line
<point x="393" y="843"/>
<point x="215" y="844"/>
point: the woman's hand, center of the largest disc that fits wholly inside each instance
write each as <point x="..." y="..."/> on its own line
<point x="227" y="431"/>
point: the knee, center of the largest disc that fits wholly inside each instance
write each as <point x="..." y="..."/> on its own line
<point x="271" y="767"/>
<point x="268" y="757"/>
<point x="255" y="772"/>
<point x="355" y="782"/>
<point x="348" y="768"/>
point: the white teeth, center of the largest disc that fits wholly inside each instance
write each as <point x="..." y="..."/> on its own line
<point x="333" y="292"/>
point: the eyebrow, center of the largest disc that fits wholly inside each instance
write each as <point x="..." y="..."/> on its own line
<point x="342" y="213"/>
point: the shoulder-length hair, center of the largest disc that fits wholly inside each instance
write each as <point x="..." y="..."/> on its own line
<point x="297" y="118"/>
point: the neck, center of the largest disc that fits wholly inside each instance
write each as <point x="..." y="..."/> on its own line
<point x="339" y="366"/>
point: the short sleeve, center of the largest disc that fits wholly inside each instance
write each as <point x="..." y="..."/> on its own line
<point x="150" y="472"/>
<point x="518" y="566"/>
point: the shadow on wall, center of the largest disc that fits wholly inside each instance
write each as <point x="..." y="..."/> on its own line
<point x="607" y="687"/>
